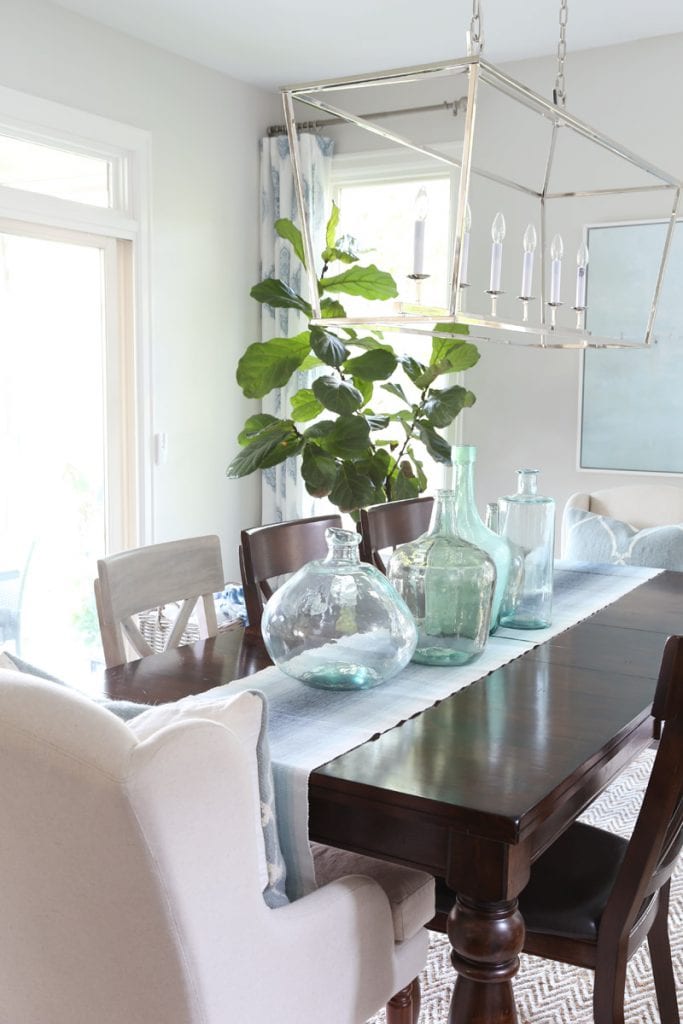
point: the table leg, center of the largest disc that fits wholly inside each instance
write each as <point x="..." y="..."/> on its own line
<point x="487" y="939"/>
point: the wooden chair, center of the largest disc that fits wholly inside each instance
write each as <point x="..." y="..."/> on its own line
<point x="276" y="550"/>
<point x="394" y="522"/>
<point x="187" y="571"/>
<point x="594" y="897"/>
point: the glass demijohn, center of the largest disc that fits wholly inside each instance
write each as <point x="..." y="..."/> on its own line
<point x="527" y="521"/>
<point x="471" y="528"/>
<point x="337" y="623"/>
<point x="447" y="584"/>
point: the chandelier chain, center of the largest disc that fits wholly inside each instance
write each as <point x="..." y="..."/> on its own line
<point x="475" y="36"/>
<point x="560" y="92"/>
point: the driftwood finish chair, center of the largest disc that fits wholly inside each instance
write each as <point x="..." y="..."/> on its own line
<point x="594" y="897"/>
<point x="136" y="866"/>
<point x="267" y="552"/>
<point x="186" y="571"/>
<point x="394" y="522"/>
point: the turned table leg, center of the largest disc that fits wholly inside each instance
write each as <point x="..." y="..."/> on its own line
<point x="487" y="939"/>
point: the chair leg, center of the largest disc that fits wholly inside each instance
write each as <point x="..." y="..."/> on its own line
<point x="662" y="967"/>
<point x="608" y="992"/>
<point x="401" y="1007"/>
<point x="417" y="1000"/>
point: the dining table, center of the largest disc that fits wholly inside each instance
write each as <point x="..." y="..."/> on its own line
<point x="473" y="788"/>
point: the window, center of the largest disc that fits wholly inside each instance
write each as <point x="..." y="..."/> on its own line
<point x="72" y="416"/>
<point x="383" y="200"/>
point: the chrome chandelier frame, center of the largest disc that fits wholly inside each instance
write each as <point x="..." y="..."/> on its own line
<point x="543" y="333"/>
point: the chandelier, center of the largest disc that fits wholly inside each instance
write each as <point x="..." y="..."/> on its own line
<point x="532" y="187"/>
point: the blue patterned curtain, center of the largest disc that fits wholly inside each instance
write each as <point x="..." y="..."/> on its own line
<point x="283" y="493"/>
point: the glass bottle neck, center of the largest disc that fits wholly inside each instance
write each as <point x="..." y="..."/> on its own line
<point x="443" y="513"/>
<point x="342" y="546"/>
<point x="527" y="481"/>
<point x="465" y="505"/>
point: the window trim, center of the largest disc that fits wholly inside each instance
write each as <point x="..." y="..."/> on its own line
<point x="128" y="225"/>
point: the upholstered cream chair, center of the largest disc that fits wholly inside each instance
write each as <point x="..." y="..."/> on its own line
<point x="131" y="890"/>
<point x="188" y="572"/>
<point x="641" y="505"/>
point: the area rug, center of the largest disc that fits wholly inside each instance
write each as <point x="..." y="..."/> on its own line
<point x="549" y="993"/>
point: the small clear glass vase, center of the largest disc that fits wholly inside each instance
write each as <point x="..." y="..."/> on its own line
<point x="448" y="585"/>
<point x="470" y="526"/>
<point x="527" y="521"/>
<point x="337" y="623"/>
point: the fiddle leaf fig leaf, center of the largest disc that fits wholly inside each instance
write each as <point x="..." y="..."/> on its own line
<point x="368" y="343"/>
<point x="331" y="308"/>
<point x="441" y="407"/>
<point x="332" y="225"/>
<point x="349" y="437"/>
<point x="319" y="470"/>
<point x="305" y="406"/>
<point x="337" y="395"/>
<point x="275" y="443"/>
<point x="334" y="253"/>
<point x="276" y="293"/>
<point x="404" y="484"/>
<point x="269" y="364"/>
<point x="451" y="329"/>
<point x="378" y="421"/>
<point x="368" y="282"/>
<point x="365" y="388"/>
<point x="397" y="390"/>
<point x="437" y="446"/>
<point x="287" y="230"/>
<point x="377" y="364"/>
<point x="328" y="347"/>
<point x="254" y="425"/>
<point x="353" y="489"/>
<point x="452" y="356"/>
<point x="412" y="368"/>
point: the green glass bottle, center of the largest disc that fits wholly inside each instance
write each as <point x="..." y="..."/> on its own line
<point x="448" y="584"/>
<point x="470" y="526"/>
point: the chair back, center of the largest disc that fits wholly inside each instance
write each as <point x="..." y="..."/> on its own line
<point x="278" y="549"/>
<point x="392" y="523"/>
<point x="119" y="858"/>
<point x="657" y="837"/>
<point x="186" y="571"/>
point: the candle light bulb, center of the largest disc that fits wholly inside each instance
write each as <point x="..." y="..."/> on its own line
<point x="529" y="240"/>
<point x="556" y="248"/>
<point x="529" y="244"/>
<point x="582" y="256"/>
<point x="498" y="228"/>
<point x="581" y="264"/>
<point x="421" y="204"/>
<point x="556" y="254"/>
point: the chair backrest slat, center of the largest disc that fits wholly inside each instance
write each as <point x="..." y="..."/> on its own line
<point x="392" y="523"/>
<point x="278" y="549"/>
<point x="188" y="572"/>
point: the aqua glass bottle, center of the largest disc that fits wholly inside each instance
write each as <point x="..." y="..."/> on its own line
<point x="527" y="521"/>
<point x="337" y="623"/>
<point x="470" y="527"/>
<point x="447" y="583"/>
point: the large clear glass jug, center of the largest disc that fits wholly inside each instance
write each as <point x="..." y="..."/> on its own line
<point x="527" y="521"/>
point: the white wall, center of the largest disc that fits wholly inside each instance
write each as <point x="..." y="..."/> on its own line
<point x="204" y="201"/>
<point x="527" y="400"/>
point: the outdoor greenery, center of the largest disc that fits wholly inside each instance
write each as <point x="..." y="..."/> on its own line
<point x="349" y="452"/>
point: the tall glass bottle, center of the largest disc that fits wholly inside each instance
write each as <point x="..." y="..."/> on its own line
<point x="527" y="521"/>
<point x="448" y="585"/>
<point x="470" y="527"/>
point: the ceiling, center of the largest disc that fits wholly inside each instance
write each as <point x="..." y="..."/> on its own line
<point x="271" y="43"/>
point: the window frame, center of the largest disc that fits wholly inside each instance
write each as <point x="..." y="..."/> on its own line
<point x="123" y="233"/>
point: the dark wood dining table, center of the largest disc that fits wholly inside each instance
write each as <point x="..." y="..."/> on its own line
<point x="473" y="789"/>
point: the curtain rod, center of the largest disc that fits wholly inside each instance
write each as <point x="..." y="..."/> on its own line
<point x="313" y="126"/>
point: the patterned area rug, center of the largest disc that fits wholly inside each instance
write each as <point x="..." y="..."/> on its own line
<point x="549" y="993"/>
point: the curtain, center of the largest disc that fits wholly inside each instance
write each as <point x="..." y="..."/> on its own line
<point x="284" y="495"/>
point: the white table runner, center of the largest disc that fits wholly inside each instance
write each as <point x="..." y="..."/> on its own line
<point x="309" y="727"/>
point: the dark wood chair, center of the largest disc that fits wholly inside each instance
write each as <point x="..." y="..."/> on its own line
<point x="594" y="897"/>
<point x="394" y="522"/>
<point x="267" y="552"/>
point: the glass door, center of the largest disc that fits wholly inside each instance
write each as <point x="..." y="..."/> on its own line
<point x="62" y="441"/>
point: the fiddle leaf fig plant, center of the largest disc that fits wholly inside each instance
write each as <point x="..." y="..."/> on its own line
<point x="352" y="451"/>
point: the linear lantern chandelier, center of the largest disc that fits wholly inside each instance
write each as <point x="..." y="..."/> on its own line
<point x="526" y="170"/>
